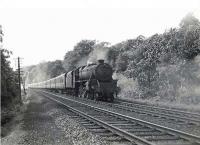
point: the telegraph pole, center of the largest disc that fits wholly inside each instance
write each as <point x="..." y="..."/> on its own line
<point x="19" y="77"/>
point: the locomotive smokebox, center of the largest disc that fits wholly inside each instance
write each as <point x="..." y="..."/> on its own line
<point x="100" y="71"/>
<point x="100" y="61"/>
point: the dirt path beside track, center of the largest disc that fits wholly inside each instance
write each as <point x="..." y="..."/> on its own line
<point x="46" y="123"/>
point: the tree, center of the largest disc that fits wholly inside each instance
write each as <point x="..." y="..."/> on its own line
<point x="9" y="87"/>
<point x="122" y="62"/>
<point x="55" y="68"/>
<point x="84" y="47"/>
<point x="190" y="30"/>
<point x="81" y="49"/>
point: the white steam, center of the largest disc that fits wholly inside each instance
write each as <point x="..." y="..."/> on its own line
<point x="128" y="87"/>
<point x="100" y="52"/>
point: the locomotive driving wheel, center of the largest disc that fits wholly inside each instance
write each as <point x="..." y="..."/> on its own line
<point x="82" y="92"/>
<point x="110" y="98"/>
<point x="97" y="96"/>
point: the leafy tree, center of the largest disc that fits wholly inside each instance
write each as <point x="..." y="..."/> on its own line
<point x="55" y="68"/>
<point x="122" y="62"/>
<point x="43" y="71"/>
<point x="81" y="49"/>
<point x="138" y="58"/>
<point x="84" y="47"/>
<point x="9" y="87"/>
<point x="190" y="30"/>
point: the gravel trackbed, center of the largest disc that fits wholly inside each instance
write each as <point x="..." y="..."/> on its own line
<point x="44" y="122"/>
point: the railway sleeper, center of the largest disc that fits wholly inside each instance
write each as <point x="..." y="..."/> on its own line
<point x="85" y="122"/>
<point x="108" y="134"/>
<point x="120" y="141"/>
<point x="99" y="130"/>
<point x="117" y="122"/>
<point x="95" y="114"/>
<point x="171" y="142"/>
<point x="185" y="122"/>
<point x="136" y="129"/>
<point x="113" y="119"/>
<point x="163" y="137"/>
<point x="141" y="134"/>
<point x="142" y="130"/>
<point x="89" y="124"/>
<point x="128" y="126"/>
<point x="80" y="119"/>
<point x="105" y="118"/>
<point x="115" y="139"/>
<point x="95" y="127"/>
<point x="192" y="123"/>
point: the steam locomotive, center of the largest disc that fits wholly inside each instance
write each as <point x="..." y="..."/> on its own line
<point x="93" y="81"/>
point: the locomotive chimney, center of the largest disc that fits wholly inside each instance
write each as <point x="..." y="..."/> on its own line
<point x="100" y="61"/>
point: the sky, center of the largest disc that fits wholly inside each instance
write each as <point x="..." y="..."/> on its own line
<point x="44" y="30"/>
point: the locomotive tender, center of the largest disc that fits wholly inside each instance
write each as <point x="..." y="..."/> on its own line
<point x="93" y="81"/>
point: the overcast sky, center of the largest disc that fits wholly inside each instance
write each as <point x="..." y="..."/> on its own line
<point x="44" y="30"/>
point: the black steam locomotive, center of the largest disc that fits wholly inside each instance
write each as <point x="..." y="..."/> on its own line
<point x="93" y="81"/>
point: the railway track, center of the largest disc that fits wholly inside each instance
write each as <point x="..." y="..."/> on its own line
<point x="172" y="113"/>
<point x="179" y="117"/>
<point x="124" y="127"/>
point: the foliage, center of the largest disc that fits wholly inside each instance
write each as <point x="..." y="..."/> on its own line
<point x="43" y="71"/>
<point x="141" y="58"/>
<point x="81" y="49"/>
<point x="9" y="87"/>
<point x="55" y="68"/>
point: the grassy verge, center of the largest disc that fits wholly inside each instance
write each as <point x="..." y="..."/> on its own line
<point x="8" y="116"/>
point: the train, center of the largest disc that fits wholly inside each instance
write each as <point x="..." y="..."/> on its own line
<point x="93" y="81"/>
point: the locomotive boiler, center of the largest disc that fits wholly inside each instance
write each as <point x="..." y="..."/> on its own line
<point x="95" y="81"/>
<point x="101" y="71"/>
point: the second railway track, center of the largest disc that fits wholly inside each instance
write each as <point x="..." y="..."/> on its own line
<point x="128" y="128"/>
<point x="172" y="113"/>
